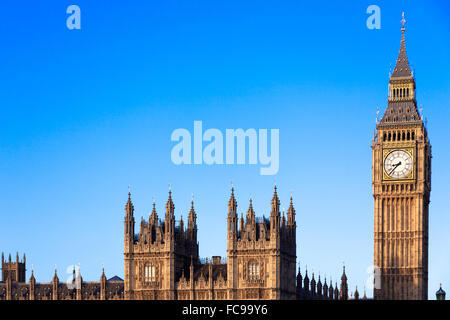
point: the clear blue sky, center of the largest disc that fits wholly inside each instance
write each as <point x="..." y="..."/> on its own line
<point x="85" y="113"/>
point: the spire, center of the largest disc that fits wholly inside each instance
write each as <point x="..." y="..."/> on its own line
<point x="181" y="223"/>
<point x="192" y="219"/>
<point x="169" y="221"/>
<point x="319" y="287"/>
<point x="103" y="276"/>
<point x="344" y="286"/>
<point x="55" y="276"/>
<point x="402" y="69"/>
<point x="275" y="214"/>
<point x="275" y="203"/>
<point x="331" y="290"/>
<point x="79" y="277"/>
<point x="299" y="278"/>
<point x="232" y="204"/>
<point x="170" y="207"/>
<point x="402" y="106"/>
<point x="356" y="295"/>
<point x="306" y="283"/>
<point x="153" y="216"/>
<point x="336" y="291"/>
<point x="291" y="214"/>
<point x="344" y="276"/>
<point x="313" y="285"/>
<point x="241" y="224"/>
<point x="325" y="288"/>
<point x="129" y="208"/>
<point x="250" y="212"/>
<point x="32" y="279"/>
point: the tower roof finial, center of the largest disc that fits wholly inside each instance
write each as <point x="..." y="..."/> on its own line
<point x="402" y="68"/>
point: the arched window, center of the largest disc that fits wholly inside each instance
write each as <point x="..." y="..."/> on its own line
<point x="149" y="273"/>
<point x="253" y="270"/>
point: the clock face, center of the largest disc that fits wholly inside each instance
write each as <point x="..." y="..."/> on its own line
<point x="398" y="164"/>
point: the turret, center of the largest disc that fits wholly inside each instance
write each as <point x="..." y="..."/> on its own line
<point x="251" y="219"/>
<point x="32" y="285"/>
<point x="79" y="285"/>
<point x="192" y="223"/>
<point x="356" y="295"/>
<point x="103" y="285"/>
<point x="55" y="283"/>
<point x="331" y="290"/>
<point x="250" y="212"/>
<point x="299" y="284"/>
<point x="232" y="216"/>
<point x="336" y="291"/>
<point x="343" y="295"/>
<point x="283" y="222"/>
<point x="153" y="220"/>
<point x="291" y="224"/>
<point x="170" y="219"/>
<point x="306" y="285"/>
<point x="440" y="294"/>
<point x="325" y="289"/>
<point x="181" y="226"/>
<point x="275" y="214"/>
<point x="319" y="288"/>
<point x="129" y="225"/>
<point x="313" y="287"/>
<point x="14" y="270"/>
<point x="192" y="219"/>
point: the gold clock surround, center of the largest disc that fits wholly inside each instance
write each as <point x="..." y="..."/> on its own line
<point x="411" y="175"/>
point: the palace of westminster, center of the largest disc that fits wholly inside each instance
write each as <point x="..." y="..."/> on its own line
<point x="162" y="261"/>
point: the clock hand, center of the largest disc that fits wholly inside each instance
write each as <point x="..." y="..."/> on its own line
<point x="395" y="167"/>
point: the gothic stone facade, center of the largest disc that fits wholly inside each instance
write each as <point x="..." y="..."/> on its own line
<point x="162" y="261"/>
<point x="401" y="178"/>
<point x="14" y="287"/>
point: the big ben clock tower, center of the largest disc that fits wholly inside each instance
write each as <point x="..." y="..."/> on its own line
<point x="401" y="179"/>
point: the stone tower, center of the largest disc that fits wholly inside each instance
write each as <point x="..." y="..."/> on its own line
<point x="15" y="271"/>
<point x="401" y="179"/>
<point x="261" y="253"/>
<point x="160" y="254"/>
